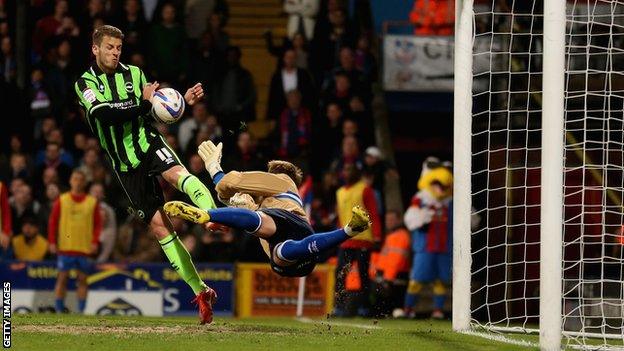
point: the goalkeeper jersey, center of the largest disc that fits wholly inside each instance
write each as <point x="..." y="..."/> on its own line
<point x="116" y="113"/>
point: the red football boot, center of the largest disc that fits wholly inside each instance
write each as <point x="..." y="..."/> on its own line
<point x="205" y="300"/>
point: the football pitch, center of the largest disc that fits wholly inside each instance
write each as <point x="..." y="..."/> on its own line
<point x="75" y="332"/>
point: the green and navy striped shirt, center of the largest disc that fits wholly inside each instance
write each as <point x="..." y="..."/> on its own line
<point x="116" y="113"/>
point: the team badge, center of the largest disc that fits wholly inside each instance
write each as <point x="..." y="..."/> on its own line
<point x="101" y="88"/>
<point x="129" y="87"/>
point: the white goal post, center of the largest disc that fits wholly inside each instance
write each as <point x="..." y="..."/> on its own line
<point x="539" y="157"/>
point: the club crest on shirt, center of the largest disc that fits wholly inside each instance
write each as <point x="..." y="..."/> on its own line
<point x="88" y="95"/>
<point x="129" y="87"/>
<point x="101" y="88"/>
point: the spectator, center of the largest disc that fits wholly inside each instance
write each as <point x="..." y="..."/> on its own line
<point x="340" y="92"/>
<point x="349" y="155"/>
<point x="134" y="27"/>
<point x="52" y="193"/>
<point x="288" y="78"/>
<point x="328" y="41"/>
<point x="49" y="26"/>
<point x="428" y="219"/>
<point x="52" y="159"/>
<point x="364" y="59"/>
<point x="90" y="163"/>
<point x="65" y="62"/>
<point x="19" y="167"/>
<point x="23" y="205"/>
<point x="6" y="224"/>
<point x="30" y="245"/>
<point x="392" y="265"/>
<point x="221" y="38"/>
<point x="245" y="157"/>
<point x="189" y="127"/>
<point x="295" y="129"/>
<point x="235" y="100"/>
<point x="210" y="130"/>
<point x="73" y="233"/>
<point x="347" y="67"/>
<point x="299" y="44"/>
<point x="134" y="244"/>
<point x="39" y="96"/>
<point x="109" y="223"/>
<point x="355" y="192"/>
<point x="364" y="119"/>
<point x="327" y="137"/>
<point x="167" y="50"/>
<point x="8" y="64"/>
<point x="207" y="62"/>
<point x="301" y="17"/>
<point x="196" y="15"/>
<point x="375" y="165"/>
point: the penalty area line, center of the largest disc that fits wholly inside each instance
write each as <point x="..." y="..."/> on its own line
<point x="337" y="323"/>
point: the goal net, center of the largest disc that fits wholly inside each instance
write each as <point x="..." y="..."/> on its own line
<point x="508" y="67"/>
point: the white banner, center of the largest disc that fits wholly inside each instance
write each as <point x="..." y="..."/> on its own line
<point x="420" y="63"/>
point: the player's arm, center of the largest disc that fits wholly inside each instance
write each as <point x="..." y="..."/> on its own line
<point x="53" y="222"/>
<point x="98" y="108"/>
<point x="252" y="183"/>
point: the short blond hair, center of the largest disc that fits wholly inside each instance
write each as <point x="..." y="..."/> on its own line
<point x="106" y="31"/>
<point x="284" y="167"/>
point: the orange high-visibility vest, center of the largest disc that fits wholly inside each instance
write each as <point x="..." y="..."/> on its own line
<point x="352" y="280"/>
<point x="395" y="254"/>
<point x="433" y="17"/>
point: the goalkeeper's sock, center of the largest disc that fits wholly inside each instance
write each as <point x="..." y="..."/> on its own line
<point x="81" y="305"/>
<point x="239" y="218"/>
<point x="181" y="262"/>
<point x="59" y="305"/>
<point x="291" y="250"/>
<point x="197" y="191"/>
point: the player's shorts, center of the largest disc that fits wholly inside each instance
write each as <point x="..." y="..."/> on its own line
<point x="141" y="185"/>
<point x="289" y="226"/>
<point x="428" y="267"/>
<point x="66" y="263"/>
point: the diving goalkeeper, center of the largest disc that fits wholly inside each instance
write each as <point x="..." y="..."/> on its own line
<point x="266" y="204"/>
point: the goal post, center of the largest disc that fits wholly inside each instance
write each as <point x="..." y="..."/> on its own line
<point x="539" y="158"/>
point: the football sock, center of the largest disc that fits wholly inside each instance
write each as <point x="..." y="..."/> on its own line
<point x="181" y="262"/>
<point x="81" y="305"/>
<point x="291" y="250"/>
<point x="59" y="305"/>
<point x="197" y="191"/>
<point x="411" y="300"/>
<point x="240" y="218"/>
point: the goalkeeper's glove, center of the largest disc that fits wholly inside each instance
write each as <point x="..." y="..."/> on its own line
<point x="211" y="154"/>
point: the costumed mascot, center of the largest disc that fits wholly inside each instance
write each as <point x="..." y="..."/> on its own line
<point x="429" y="219"/>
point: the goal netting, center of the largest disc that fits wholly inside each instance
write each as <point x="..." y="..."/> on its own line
<point x="506" y="61"/>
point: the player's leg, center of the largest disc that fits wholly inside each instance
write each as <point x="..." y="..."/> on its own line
<point x="293" y="250"/>
<point x="363" y="260"/>
<point x="189" y="184"/>
<point x="181" y="262"/>
<point x="345" y="257"/>
<point x="60" y="288"/>
<point x="81" y="290"/>
<point x="253" y="222"/>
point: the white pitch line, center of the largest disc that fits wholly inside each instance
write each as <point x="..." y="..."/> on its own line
<point x="501" y="338"/>
<point x="342" y="324"/>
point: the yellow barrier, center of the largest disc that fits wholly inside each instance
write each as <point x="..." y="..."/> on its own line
<point x="262" y="292"/>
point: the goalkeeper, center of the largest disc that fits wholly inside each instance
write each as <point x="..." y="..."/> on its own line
<point x="266" y="204"/>
<point x="115" y="98"/>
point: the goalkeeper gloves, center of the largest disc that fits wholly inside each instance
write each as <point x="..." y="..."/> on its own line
<point x="211" y="154"/>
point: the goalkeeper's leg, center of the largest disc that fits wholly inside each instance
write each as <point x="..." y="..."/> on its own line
<point x="263" y="226"/>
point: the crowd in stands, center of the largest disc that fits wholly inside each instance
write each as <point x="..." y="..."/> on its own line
<point x="319" y="101"/>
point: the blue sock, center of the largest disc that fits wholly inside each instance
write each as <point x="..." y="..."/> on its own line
<point x="438" y="301"/>
<point x="240" y="218"/>
<point x="81" y="305"/>
<point x="411" y="300"/>
<point x="59" y="305"/>
<point x="292" y="250"/>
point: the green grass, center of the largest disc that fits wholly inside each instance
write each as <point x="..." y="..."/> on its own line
<point x="74" y="332"/>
